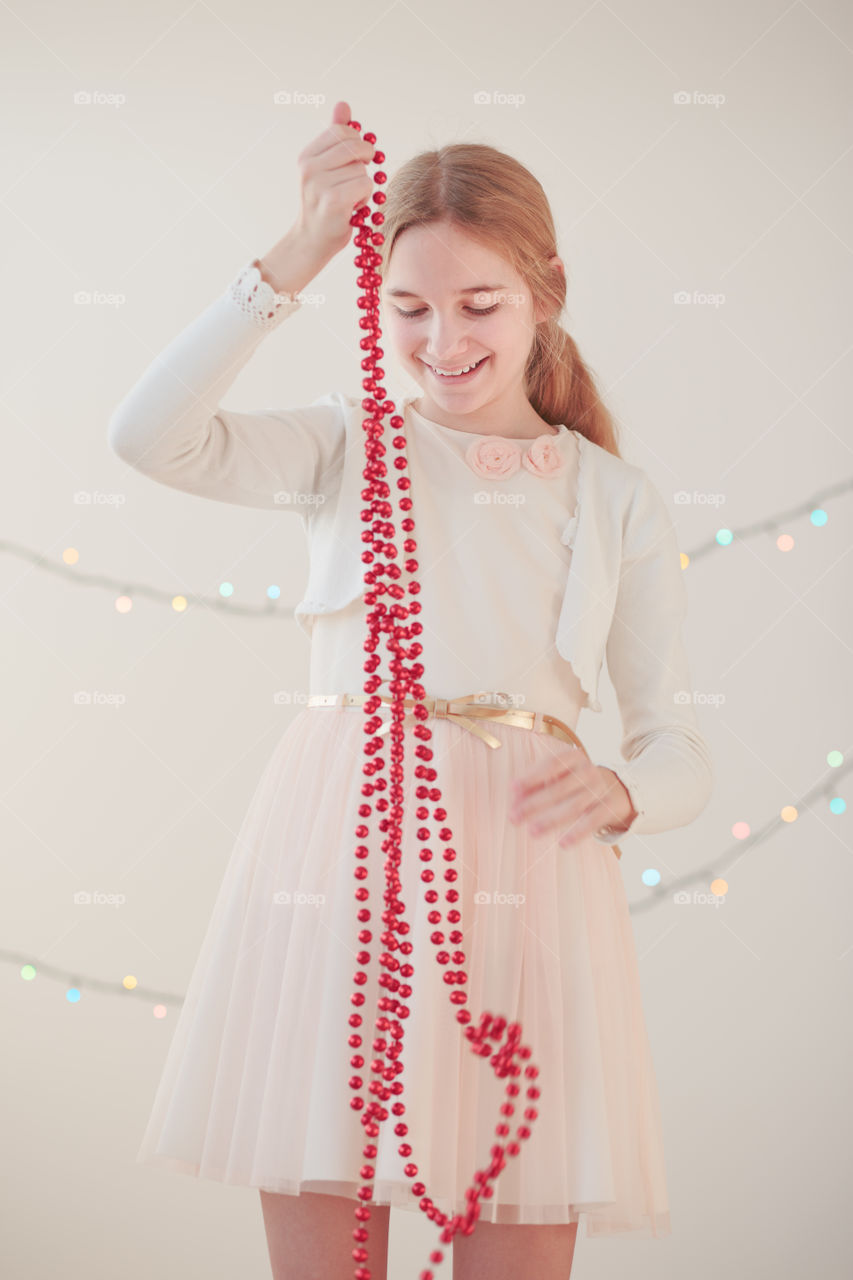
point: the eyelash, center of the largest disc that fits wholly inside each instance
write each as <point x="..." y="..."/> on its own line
<point x="410" y="314"/>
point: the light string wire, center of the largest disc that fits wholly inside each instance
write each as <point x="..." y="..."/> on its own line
<point x="490" y="1027"/>
<point x="125" y="587"/>
<point x="701" y="875"/>
<point x="654" y="898"/>
<point x="741" y="848"/>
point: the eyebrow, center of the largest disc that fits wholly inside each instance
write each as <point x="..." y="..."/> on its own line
<point x="474" y="288"/>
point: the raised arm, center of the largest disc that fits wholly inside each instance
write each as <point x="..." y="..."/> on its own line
<point x="171" y="426"/>
<point x="666" y="763"/>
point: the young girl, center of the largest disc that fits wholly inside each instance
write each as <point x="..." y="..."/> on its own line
<point x="540" y="552"/>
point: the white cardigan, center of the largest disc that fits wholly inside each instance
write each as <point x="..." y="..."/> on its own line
<point x="625" y="597"/>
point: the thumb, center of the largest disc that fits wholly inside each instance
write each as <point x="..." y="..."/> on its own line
<point x="341" y="113"/>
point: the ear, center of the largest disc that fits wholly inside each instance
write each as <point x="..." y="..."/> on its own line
<point x="557" y="263"/>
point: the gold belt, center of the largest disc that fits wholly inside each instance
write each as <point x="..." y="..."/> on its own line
<point x="464" y="711"/>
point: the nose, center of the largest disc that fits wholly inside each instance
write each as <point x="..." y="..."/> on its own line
<point x="447" y="342"/>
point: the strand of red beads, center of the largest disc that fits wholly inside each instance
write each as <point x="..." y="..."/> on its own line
<point x="382" y="578"/>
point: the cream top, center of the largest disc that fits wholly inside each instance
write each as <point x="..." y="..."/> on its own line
<point x="492" y="571"/>
<point x="526" y="588"/>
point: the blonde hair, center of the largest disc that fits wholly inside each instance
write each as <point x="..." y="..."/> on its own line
<point x="495" y="200"/>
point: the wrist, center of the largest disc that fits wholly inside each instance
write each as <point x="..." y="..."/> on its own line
<point x="620" y="806"/>
<point x="293" y="262"/>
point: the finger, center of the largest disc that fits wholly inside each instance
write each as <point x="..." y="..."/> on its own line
<point x="590" y="821"/>
<point x="569" y="822"/>
<point x="556" y="819"/>
<point x="580" y="778"/>
<point x="580" y="830"/>
<point x="574" y="820"/>
<point x="561" y="758"/>
<point x="543" y="775"/>
<point x="535" y="806"/>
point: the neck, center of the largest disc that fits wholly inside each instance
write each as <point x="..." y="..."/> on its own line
<point x="528" y="426"/>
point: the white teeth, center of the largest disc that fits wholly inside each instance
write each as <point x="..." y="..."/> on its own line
<point x="447" y="373"/>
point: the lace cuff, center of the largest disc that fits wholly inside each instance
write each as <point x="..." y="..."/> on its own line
<point x="258" y="300"/>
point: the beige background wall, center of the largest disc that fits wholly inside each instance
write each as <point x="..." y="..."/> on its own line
<point x="159" y="196"/>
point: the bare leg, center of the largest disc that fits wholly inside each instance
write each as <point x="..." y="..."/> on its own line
<point x="500" y="1251"/>
<point x="309" y="1236"/>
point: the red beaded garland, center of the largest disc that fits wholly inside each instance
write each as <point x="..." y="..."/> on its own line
<point x="381" y="556"/>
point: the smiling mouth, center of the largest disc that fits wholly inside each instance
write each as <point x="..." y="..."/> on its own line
<point x="456" y="377"/>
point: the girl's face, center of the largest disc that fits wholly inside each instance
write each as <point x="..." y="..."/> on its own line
<point x="449" y="302"/>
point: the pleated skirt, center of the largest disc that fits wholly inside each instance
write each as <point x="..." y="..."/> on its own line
<point x="255" y="1088"/>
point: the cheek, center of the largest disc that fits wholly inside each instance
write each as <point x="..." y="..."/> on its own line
<point x="503" y="336"/>
<point x="515" y="336"/>
<point x="399" y="336"/>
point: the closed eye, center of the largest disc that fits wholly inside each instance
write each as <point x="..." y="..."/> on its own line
<point x="408" y="315"/>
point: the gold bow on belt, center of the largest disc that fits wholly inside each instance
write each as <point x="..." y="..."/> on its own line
<point x="464" y="711"/>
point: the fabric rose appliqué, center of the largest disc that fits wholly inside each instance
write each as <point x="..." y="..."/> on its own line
<point x="496" y="458"/>
<point x="543" y="457"/>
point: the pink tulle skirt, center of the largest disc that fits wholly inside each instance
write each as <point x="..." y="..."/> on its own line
<point x="255" y="1089"/>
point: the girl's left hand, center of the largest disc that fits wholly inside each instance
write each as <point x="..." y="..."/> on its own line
<point x="573" y="795"/>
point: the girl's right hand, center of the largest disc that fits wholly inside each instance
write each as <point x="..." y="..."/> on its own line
<point x="334" y="182"/>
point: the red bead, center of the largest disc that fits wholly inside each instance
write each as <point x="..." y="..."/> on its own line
<point x="397" y="622"/>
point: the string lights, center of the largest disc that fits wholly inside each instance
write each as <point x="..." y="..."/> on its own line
<point x="705" y="875"/>
<point x="68" y="567"/>
<point x="493" y="1036"/>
